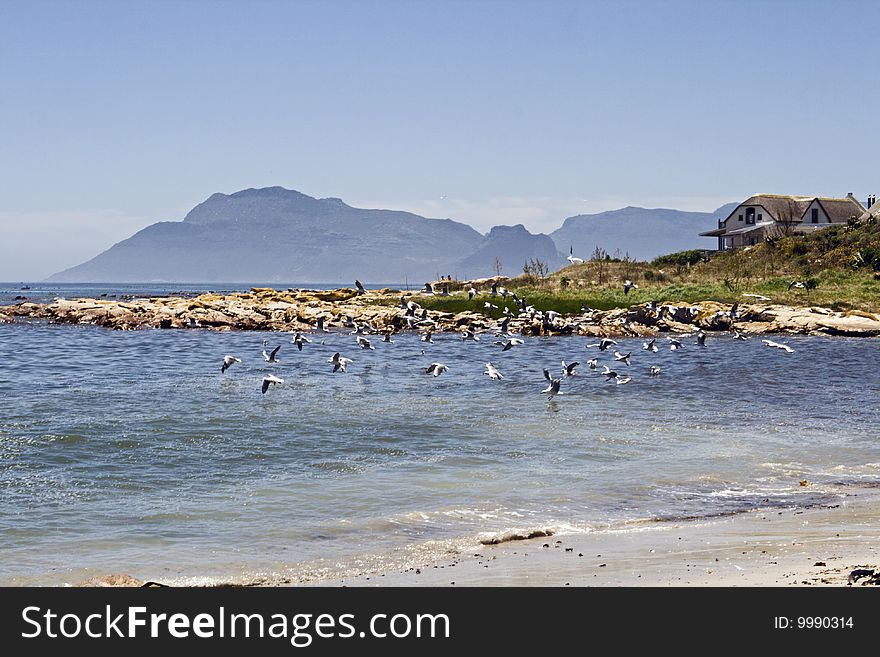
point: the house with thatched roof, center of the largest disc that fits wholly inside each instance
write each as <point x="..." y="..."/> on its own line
<point x="773" y="215"/>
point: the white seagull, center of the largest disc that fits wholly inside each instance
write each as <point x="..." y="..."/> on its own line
<point x="654" y="371"/>
<point x="492" y="372"/>
<point x="568" y="370"/>
<point x="364" y="343"/>
<point x="510" y="343"/>
<point x="629" y="285"/>
<point x="271" y="358"/>
<point x="228" y="361"/>
<point x="604" y="343"/>
<point x="623" y="358"/>
<point x="299" y="339"/>
<point x="270" y="379"/>
<point x="436" y="369"/>
<point x="571" y="257"/>
<point x="778" y="345"/>
<point x="553" y="388"/>
<point x="593" y="363"/>
<point x="651" y="345"/>
<point x="339" y="363"/>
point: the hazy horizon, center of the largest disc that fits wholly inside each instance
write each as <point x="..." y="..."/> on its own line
<point x="119" y="115"/>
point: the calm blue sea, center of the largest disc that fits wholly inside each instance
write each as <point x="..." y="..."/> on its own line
<point x="131" y="452"/>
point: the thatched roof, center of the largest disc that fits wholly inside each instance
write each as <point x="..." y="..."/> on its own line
<point x="783" y="208"/>
<point x="839" y="210"/>
<point x="791" y="209"/>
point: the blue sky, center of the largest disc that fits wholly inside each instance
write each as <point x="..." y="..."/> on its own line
<point x="118" y="114"/>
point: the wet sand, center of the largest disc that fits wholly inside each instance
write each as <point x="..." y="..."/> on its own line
<point x="817" y="546"/>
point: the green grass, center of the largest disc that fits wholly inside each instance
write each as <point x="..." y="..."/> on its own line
<point x="843" y="261"/>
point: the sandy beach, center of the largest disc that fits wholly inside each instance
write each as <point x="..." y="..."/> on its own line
<point x="819" y="546"/>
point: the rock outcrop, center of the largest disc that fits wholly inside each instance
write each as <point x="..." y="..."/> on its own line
<point x="267" y="309"/>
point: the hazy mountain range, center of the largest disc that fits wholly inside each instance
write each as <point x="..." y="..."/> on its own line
<point x="276" y="235"/>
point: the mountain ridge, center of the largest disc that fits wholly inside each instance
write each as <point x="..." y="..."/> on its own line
<point x="278" y="235"/>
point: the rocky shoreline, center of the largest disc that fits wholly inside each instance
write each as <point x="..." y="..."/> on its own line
<point x="266" y="309"/>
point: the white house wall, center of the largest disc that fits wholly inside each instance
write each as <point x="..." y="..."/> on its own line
<point x="732" y="222"/>
<point x="808" y="215"/>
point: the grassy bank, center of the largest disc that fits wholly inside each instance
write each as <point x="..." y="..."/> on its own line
<point x="839" y="265"/>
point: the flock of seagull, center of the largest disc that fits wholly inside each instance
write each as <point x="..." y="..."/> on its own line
<point x="421" y="322"/>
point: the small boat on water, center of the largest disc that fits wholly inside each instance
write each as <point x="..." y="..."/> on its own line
<point x="25" y="287"/>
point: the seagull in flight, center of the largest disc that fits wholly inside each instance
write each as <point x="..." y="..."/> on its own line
<point x="701" y="339"/>
<point x="510" y="343"/>
<point x="654" y="371"/>
<point x="778" y="345"/>
<point x="489" y="306"/>
<point x="387" y="337"/>
<point x="623" y="358"/>
<point x="364" y="343"/>
<point x="270" y="379"/>
<point x="623" y="380"/>
<point x="492" y="372"/>
<point x="427" y="338"/>
<point x="571" y="257"/>
<point x="553" y="387"/>
<point x="228" y="361"/>
<point x="609" y="373"/>
<point x="360" y="287"/>
<point x="593" y="363"/>
<point x="339" y="363"/>
<point x="674" y="344"/>
<point x="604" y="343"/>
<point x="629" y="285"/>
<point x="436" y="369"/>
<point x="472" y="292"/>
<point x="650" y="345"/>
<point x="299" y="339"/>
<point x="271" y="358"/>
<point x="739" y="336"/>
<point x="319" y="325"/>
<point x="467" y="334"/>
<point x="569" y="370"/>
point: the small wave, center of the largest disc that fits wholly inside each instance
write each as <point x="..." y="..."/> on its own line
<point x="516" y="535"/>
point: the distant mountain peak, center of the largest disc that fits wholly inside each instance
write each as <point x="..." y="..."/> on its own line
<point x="279" y="235"/>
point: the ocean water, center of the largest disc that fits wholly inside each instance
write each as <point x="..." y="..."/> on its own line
<point x="131" y="452"/>
<point x="43" y="292"/>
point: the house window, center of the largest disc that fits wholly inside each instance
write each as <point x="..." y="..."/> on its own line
<point x="750" y="215"/>
<point x="760" y="217"/>
<point x="814" y="216"/>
